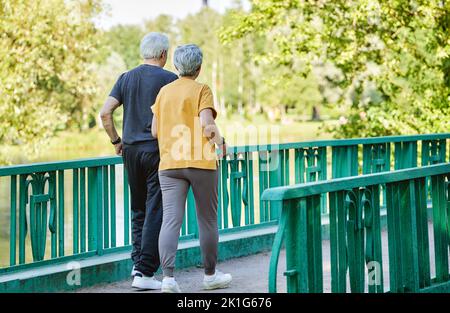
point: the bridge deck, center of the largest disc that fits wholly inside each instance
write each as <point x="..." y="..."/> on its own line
<point x="250" y="274"/>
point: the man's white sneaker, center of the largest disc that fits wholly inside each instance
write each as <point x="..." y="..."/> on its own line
<point x="145" y="283"/>
<point x="169" y="285"/>
<point x="216" y="281"/>
<point x="134" y="271"/>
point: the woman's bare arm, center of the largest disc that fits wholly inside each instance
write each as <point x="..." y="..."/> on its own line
<point x="154" y="127"/>
<point x="211" y="131"/>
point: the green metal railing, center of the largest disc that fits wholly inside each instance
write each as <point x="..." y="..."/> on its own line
<point x="38" y="209"/>
<point x="283" y="164"/>
<point x="75" y="209"/>
<point x="355" y="244"/>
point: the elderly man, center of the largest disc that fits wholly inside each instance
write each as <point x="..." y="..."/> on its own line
<point x="137" y="90"/>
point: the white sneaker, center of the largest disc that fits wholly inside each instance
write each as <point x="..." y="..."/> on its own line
<point x="169" y="285"/>
<point x="134" y="271"/>
<point x="216" y="281"/>
<point x="145" y="282"/>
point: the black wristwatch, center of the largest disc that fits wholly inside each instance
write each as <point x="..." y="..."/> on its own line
<point x="223" y="139"/>
<point x="118" y="140"/>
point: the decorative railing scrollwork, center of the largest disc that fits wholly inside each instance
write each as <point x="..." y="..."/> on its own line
<point x="40" y="216"/>
<point x="238" y="175"/>
<point x="355" y="240"/>
<point x="376" y="158"/>
<point x="362" y="244"/>
<point x="311" y="165"/>
<point x="433" y="151"/>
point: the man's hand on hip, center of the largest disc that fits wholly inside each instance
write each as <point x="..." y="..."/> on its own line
<point x="106" y="115"/>
<point x="118" y="147"/>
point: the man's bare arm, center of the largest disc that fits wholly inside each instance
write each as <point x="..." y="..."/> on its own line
<point x="106" y="114"/>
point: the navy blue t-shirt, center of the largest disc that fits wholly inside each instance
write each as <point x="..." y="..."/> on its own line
<point x="137" y="90"/>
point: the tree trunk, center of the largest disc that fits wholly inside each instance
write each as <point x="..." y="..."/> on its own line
<point x="315" y="113"/>
<point x="214" y="81"/>
<point x="240" y="81"/>
<point x="221" y="86"/>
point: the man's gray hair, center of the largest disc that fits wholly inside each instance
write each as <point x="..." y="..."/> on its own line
<point x="187" y="59"/>
<point x="153" y="45"/>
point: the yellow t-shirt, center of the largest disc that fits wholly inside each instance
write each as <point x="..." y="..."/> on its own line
<point x="181" y="141"/>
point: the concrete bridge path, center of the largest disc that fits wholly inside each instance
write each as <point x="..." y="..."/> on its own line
<point x="250" y="273"/>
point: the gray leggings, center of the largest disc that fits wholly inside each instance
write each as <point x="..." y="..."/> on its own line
<point x="174" y="186"/>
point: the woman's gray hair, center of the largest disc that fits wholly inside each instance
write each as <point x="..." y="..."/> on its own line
<point x="188" y="59"/>
<point x="153" y="45"/>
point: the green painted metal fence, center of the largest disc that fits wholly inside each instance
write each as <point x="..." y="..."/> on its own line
<point x="75" y="209"/>
<point x="355" y="246"/>
<point x="289" y="163"/>
<point x="39" y="229"/>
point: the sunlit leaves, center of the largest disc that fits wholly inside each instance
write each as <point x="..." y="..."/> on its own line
<point x="46" y="47"/>
<point x="393" y="57"/>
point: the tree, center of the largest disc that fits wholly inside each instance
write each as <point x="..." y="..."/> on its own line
<point x="163" y="24"/>
<point x="387" y="62"/>
<point x="46" y="81"/>
<point x="201" y="29"/>
<point x="229" y="70"/>
<point x="125" y="39"/>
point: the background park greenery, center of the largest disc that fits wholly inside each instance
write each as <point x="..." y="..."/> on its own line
<point x="344" y="68"/>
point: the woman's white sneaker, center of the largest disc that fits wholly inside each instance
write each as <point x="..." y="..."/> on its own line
<point x="216" y="281"/>
<point x="145" y="283"/>
<point x="169" y="285"/>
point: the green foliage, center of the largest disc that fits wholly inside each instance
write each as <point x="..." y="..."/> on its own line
<point x="242" y="80"/>
<point x="163" y="24"/>
<point x="201" y="29"/>
<point x="386" y="63"/>
<point x="124" y="40"/>
<point x="46" y="79"/>
<point x="382" y="66"/>
<point x="227" y="69"/>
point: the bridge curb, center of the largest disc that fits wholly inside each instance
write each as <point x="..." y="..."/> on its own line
<point x="115" y="267"/>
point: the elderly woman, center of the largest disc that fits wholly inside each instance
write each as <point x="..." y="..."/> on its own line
<point x="183" y="122"/>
